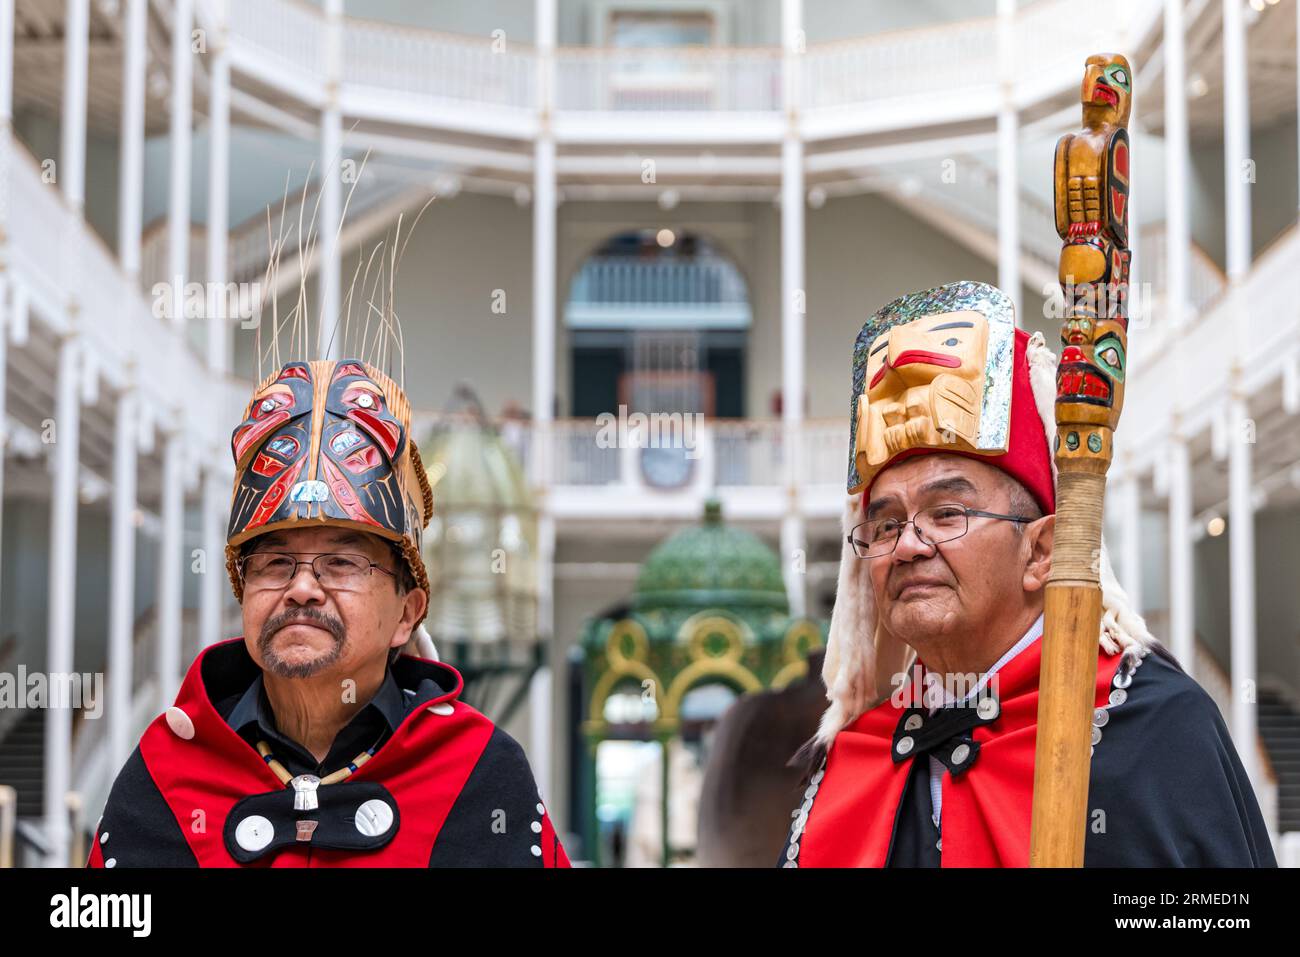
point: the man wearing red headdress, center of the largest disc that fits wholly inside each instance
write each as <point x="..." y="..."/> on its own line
<point x="328" y="734"/>
<point x="925" y="757"/>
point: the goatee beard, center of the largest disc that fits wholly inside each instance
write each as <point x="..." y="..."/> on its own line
<point x="273" y="663"/>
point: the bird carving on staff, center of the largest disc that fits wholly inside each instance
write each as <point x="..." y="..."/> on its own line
<point x="1091" y="193"/>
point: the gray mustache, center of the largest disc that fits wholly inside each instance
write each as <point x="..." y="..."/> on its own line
<point x="312" y="615"/>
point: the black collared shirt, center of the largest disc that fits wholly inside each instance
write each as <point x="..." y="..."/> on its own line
<point x="252" y="718"/>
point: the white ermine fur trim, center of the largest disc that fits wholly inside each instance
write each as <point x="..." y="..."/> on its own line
<point x="1042" y="382"/>
<point x="422" y="645"/>
<point x="859" y="662"/>
<point x="1122" y="628"/>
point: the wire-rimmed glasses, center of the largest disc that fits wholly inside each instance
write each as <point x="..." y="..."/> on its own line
<point x="341" y="571"/>
<point x="934" y="526"/>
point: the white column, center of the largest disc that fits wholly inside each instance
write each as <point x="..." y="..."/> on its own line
<point x="1130" y="496"/>
<point x="1182" y="624"/>
<point x="1178" y="236"/>
<point x="6" y="120"/>
<point x="121" y="598"/>
<point x="64" y="494"/>
<point x="214" y="501"/>
<point x="331" y="185"/>
<point x="218" y="198"/>
<point x="178" y="207"/>
<point x="1241" y="512"/>
<point x="4" y="353"/>
<point x="76" y="61"/>
<point x="214" y="495"/>
<point x="544" y="236"/>
<point x="6" y="62"/>
<point x="793" y="290"/>
<point x="1241" y="583"/>
<point x="545" y="239"/>
<point x="794" y="562"/>
<point x="171" y="561"/>
<point x="131" y="174"/>
<point x="1236" y="140"/>
<point x="793" y="306"/>
<point x="794" y="299"/>
<point x="1008" y="174"/>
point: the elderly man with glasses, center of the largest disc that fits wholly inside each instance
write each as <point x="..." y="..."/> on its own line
<point x="925" y="756"/>
<point x="329" y="734"/>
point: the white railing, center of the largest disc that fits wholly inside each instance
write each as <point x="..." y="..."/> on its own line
<point x="902" y="65"/>
<point x="74" y="281"/>
<point x="955" y="61"/>
<point x="1054" y="37"/>
<point x="1207" y="280"/>
<point x="746" y="453"/>
<point x="972" y="197"/>
<point x="671" y="80"/>
<point x="287" y="32"/>
<point x="386" y="58"/>
<point x="624" y="279"/>
<point x="1051" y="40"/>
<point x="155" y="256"/>
<point x="751" y="453"/>
<point x="249" y="248"/>
<point x="1257" y="322"/>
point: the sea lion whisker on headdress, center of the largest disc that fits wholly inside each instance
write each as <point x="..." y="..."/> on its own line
<point x="327" y="442"/>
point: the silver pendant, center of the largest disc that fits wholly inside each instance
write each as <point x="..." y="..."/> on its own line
<point x="304" y="792"/>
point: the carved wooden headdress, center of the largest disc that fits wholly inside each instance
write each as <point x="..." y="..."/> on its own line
<point x="328" y="441"/>
<point x="942" y="370"/>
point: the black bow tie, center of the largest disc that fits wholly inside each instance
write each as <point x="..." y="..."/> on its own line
<point x="944" y="734"/>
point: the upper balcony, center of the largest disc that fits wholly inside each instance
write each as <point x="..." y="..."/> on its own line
<point x="938" y="75"/>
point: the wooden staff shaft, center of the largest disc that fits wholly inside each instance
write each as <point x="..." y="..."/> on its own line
<point x="1071" y="618"/>
<point x="1091" y="177"/>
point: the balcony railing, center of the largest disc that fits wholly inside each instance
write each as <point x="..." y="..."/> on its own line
<point x="289" y="32"/>
<point x="736" y="453"/>
<point x="389" y="59"/>
<point x="682" y="79"/>
<point x="905" y="64"/>
<point x="249" y="249"/>
<point x="73" y="281"/>
<point x="407" y="65"/>
<point x="621" y="292"/>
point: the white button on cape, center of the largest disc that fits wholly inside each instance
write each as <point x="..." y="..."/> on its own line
<point x="180" y="723"/>
<point x="374" y="818"/>
<point x="254" y="832"/>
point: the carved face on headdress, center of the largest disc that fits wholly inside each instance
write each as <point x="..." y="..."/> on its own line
<point x="328" y="442"/>
<point x="932" y="370"/>
<point x="1107" y="90"/>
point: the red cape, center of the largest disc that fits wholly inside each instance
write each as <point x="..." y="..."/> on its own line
<point x="425" y="765"/>
<point x="986" y="809"/>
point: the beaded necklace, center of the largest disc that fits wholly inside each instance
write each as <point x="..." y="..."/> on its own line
<point x="305" y="785"/>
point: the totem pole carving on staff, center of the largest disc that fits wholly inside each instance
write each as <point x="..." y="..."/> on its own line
<point x="1091" y="187"/>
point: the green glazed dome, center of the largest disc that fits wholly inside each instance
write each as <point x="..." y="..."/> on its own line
<point x="711" y="565"/>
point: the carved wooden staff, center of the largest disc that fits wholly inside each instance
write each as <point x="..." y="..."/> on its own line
<point x="1091" y="175"/>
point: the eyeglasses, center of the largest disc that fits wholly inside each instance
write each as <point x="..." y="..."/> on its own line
<point x="934" y="526"/>
<point x="334" y="570"/>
